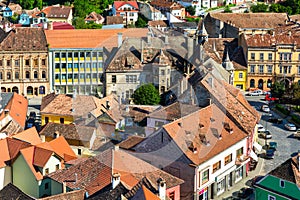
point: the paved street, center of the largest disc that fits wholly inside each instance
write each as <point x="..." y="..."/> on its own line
<point x="287" y="145"/>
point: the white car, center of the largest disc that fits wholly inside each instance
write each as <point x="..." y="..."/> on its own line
<point x="290" y="127"/>
<point x="265" y="108"/>
<point x="256" y="93"/>
<point x="260" y="128"/>
<point x="243" y="6"/>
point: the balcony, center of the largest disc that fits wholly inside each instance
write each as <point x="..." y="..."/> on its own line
<point x="242" y="159"/>
<point x="259" y="74"/>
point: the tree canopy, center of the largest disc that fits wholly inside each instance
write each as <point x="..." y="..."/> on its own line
<point x="260" y="7"/>
<point x="146" y="94"/>
<point x="191" y="10"/>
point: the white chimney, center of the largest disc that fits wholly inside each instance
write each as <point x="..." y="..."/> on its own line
<point x="120" y="39"/>
<point x="64" y="187"/>
<point x="149" y="38"/>
<point x="116" y="178"/>
<point x="162" y="189"/>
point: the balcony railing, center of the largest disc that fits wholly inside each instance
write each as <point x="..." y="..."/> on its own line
<point x="241" y="160"/>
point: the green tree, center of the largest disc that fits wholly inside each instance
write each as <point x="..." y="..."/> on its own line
<point x="141" y="22"/>
<point x="146" y="95"/>
<point x="227" y="9"/>
<point x="79" y="23"/>
<point x="260" y="7"/>
<point x="278" y="8"/>
<point x="191" y="10"/>
<point x="278" y="89"/>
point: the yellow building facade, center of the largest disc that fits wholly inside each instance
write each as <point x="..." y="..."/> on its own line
<point x="240" y="78"/>
<point x="271" y="58"/>
<point x="45" y="118"/>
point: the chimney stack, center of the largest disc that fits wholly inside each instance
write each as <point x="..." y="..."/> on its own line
<point x="116" y="178"/>
<point x="64" y="187"/>
<point x="107" y="105"/>
<point x="120" y="39"/>
<point x="161" y="189"/>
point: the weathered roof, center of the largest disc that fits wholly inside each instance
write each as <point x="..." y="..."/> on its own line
<point x="137" y="112"/>
<point x="130" y="142"/>
<point x="206" y="124"/>
<point x="69" y="131"/>
<point x="29" y="135"/>
<point x="10" y="192"/>
<point x="25" y="39"/>
<point x="251" y="20"/>
<point x="174" y="111"/>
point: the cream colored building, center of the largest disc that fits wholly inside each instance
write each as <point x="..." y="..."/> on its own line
<point x="24" y="62"/>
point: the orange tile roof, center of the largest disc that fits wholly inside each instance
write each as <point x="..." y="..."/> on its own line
<point x="10" y="148"/>
<point x="144" y="194"/>
<point x="88" y="38"/>
<point x="29" y="135"/>
<point x="207" y="123"/>
<point x="61" y="147"/>
<point x="41" y="156"/>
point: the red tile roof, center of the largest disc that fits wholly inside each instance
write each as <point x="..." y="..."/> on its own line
<point x="118" y="4"/>
<point x="61" y="147"/>
<point x="144" y="194"/>
<point x="41" y="156"/>
<point x="87" y="38"/>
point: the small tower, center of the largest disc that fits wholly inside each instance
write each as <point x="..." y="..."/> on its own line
<point x="227" y="64"/>
<point x="202" y="34"/>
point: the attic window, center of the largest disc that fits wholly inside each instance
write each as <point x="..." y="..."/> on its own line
<point x="227" y="127"/>
<point x="204" y="140"/>
<point x="188" y="132"/>
<point x="191" y="146"/>
<point x="212" y="119"/>
<point x="201" y="125"/>
<point x="282" y="183"/>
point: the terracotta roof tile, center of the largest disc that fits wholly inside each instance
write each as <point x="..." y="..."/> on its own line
<point x="61" y="147"/>
<point x="137" y="112"/>
<point x="25" y="39"/>
<point x="68" y="131"/>
<point x="114" y="20"/>
<point x="130" y="142"/>
<point x="41" y="156"/>
<point x="173" y="111"/>
<point x="144" y="194"/>
<point x="87" y="38"/>
<point x="118" y="4"/>
<point x="59" y="12"/>
<point x="73" y="195"/>
<point x="156" y="23"/>
<point x="251" y="20"/>
<point x="29" y="135"/>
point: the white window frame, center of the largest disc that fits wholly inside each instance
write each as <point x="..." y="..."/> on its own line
<point x="270" y="197"/>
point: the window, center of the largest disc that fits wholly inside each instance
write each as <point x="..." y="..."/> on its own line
<point x="8" y="62"/>
<point x="47" y="171"/>
<point x="282" y="183"/>
<point x="270" y="56"/>
<point x="261" y="69"/>
<point x="252" y="56"/>
<point x="46" y="186"/>
<point x="299" y="69"/>
<point x="131" y="78"/>
<point x="79" y="151"/>
<point x="70" y="55"/>
<point x="239" y="152"/>
<point x="280" y="69"/>
<point x="162" y="72"/>
<point x="27" y="74"/>
<point x="17" y="63"/>
<point x="46" y="120"/>
<point x="238" y="174"/>
<point x="252" y="68"/>
<point x="61" y="120"/>
<point x="159" y="124"/>
<point x="216" y="166"/>
<point x="205" y="176"/>
<point x="261" y="56"/>
<point x="240" y="75"/>
<point x="63" y="55"/>
<point x="69" y="65"/>
<point x="1" y="76"/>
<point x="113" y="78"/>
<point x="221" y="186"/>
<point x="35" y="74"/>
<point x="43" y="74"/>
<point x="35" y="62"/>
<point x="172" y="195"/>
<point x="43" y="61"/>
<point x="270" y="197"/>
<point x="57" y="55"/>
<point x="16" y="75"/>
<point x="57" y="167"/>
<point x="8" y="75"/>
<point x="228" y="159"/>
<point x="289" y="68"/>
<point x="270" y="69"/>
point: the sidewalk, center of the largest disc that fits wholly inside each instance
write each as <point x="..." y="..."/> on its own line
<point x="244" y="182"/>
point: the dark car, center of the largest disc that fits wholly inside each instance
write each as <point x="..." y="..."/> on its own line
<point x="273" y="145"/>
<point x="32" y="115"/>
<point x="30" y="123"/>
<point x="275" y="120"/>
<point x="245" y="193"/>
<point x="266" y="134"/>
<point x="256" y="179"/>
<point x="270" y="153"/>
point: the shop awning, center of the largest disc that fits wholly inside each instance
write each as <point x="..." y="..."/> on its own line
<point x="253" y="156"/>
<point x="257" y="146"/>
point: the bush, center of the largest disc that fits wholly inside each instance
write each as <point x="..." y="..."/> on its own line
<point x="296" y="119"/>
<point x="282" y="109"/>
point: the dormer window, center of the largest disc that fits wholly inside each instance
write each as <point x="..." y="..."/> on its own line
<point x="282" y="183"/>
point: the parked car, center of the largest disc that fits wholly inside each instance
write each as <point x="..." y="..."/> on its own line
<point x="275" y="120"/>
<point x="30" y="123"/>
<point x="297" y="134"/>
<point x="260" y="128"/>
<point x="32" y="114"/>
<point x="255" y="93"/>
<point x="266" y="134"/>
<point x="243" y="6"/>
<point x="273" y="145"/>
<point x="245" y="193"/>
<point x="290" y="127"/>
<point x="270" y="153"/>
<point x="268" y="97"/>
<point x="256" y="179"/>
<point x="265" y="108"/>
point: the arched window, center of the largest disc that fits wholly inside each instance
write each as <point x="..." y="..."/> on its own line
<point x="1" y="76"/>
<point x="35" y="74"/>
<point x="43" y="74"/>
<point x="8" y="75"/>
<point x="3" y="89"/>
<point x="261" y="84"/>
<point x="41" y="90"/>
<point x="252" y="83"/>
<point x="27" y="74"/>
<point x="15" y="89"/>
<point x="29" y="90"/>
<point x="269" y="83"/>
